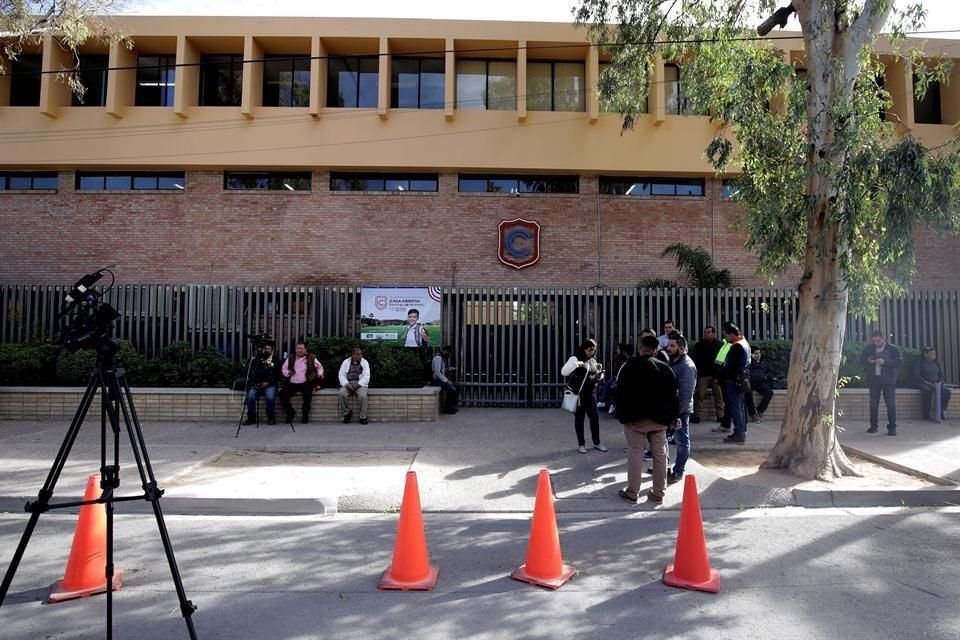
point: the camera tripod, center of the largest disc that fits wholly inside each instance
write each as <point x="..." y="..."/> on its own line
<point x="109" y="382"/>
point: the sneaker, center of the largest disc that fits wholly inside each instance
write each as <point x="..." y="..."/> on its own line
<point x="673" y="478"/>
<point x="873" y="429"/>
<point x="721" y="429"/>
<point x="612" y="410"/>
<point x="754" y="418"/>
<point x="363" y="421"/>
<point x="601" y="405"/>
<point x="731" y="439"/>
<point x="629" y="497"/>
<point x="695" y="419"/>
<point x="760" y="416"/>
<point x="601" y="448"/>
<point x="581" y="450"/>
<point x="891" y="432"/>
<point x="347" y="417"/>
<point x="654" y="499"/>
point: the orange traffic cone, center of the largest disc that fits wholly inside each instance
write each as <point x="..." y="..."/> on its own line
<point x="691" y="566"/>
<point x="411" y="568"/>
<point x="544" y="566"/>
<point x="87" y="565"/>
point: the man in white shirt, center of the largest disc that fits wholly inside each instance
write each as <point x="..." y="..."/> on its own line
<point x="354" y="380"/>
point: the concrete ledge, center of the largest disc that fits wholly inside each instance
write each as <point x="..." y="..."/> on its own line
<point x="852" y="404"/>
<point x="195" y="405"/>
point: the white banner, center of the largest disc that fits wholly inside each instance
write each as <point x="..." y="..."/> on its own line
<point x="409" y="316"/>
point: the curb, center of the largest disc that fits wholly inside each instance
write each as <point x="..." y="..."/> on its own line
<point x="324" y="506"/>
<point x="893" y="466"/>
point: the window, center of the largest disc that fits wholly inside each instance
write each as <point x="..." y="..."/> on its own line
<point x="286" y="81"/>
<point x="609" y="107"/>
<point x="221" y="80"/>
<point x="140" y="181"/>
<point x="555" y="86"/>
<point x="674" y="100"/>
<point x="417" y="83"/>
<point x="483" y="183"/>
<point x="28" y="181"/>
<point x="353" y="82"/>
<point x="487" y="84"/>
<point x="92" y="72"/>
<point x="25" y="81"/>
<point x="267" y="181"/>
<point x="926" y="110"/>
<point x="383" y="182"/>
<point x="629" y="186"/>
<point x="156" y="79"/>
<point x="729" y="190"/>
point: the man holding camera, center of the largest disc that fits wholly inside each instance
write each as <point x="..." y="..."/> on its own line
<point x="263" y="380"/>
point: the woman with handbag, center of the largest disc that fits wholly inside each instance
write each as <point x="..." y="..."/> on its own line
<point x="584" y="373"/>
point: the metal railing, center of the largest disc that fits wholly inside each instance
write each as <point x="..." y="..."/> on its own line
<point x="510" y="342"/>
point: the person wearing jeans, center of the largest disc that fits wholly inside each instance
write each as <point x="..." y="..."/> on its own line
<point x="686" y="373"/>
<point x="880" y="361"/>
<point x="735" y="369"/>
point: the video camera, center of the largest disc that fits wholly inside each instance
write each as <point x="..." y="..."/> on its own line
<point x="87" y="321"/>
<point x="261" y="340"/>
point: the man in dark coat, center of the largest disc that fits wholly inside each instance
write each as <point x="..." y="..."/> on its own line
<point x="880" y="361"/>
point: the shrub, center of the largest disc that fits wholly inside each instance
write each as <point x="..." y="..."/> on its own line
<point x="32" y="363"/>
<point x="390" y="366"/>
<point x="776" y="353"/>
<point x="850" y="364"/>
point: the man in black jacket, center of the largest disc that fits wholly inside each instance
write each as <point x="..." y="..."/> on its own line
<point x="646" y="405"/>
<point x="880" y="361"/>
<point x="703" y="353"/>
<point x="263" y="381"/>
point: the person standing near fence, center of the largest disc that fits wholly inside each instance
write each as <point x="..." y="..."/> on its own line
<point x="703" y="353"/>
<point x="584" y="373"/>
<point x="686" y="373"/>
<point x="880" y="360"/>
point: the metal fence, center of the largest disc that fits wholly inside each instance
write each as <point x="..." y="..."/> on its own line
<point x="510" y="342"/>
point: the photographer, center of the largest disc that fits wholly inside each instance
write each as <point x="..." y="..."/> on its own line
<point x="263" y="380"/>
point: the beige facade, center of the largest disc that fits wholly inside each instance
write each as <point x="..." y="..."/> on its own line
<point x="184" y="135"/>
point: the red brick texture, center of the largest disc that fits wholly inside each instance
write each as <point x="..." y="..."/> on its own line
<point x="208" y="235"/>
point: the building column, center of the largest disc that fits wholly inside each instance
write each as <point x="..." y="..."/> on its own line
<point x="251" y="96"/>
<point x="54" y="93"/>
<point x="593" y="80"/>
<point x="522" y="80"/>
<point x="450" y="80"/>
<point x="383" y="96"/>
<point x="899" y="82"/>
<point x="656" y="97"/>
<point x="187" y="91"/>
<point x="318" y="76"/>
<point x="121" y="79"/>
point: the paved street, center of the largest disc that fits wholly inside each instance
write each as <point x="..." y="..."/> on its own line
<point x="261" y="560"/>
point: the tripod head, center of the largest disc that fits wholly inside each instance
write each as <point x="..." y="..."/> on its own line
<point x="86" y="321"/>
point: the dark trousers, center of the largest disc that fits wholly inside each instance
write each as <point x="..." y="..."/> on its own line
<point x="587" y="407"/>
<point x="735" y="408"/>
<point x="306" y="388"/>
<point x="926" y="402"/>
<point x="889" y="392"/>
<point x="451" y="392"/>
<point x="766" y="393"/>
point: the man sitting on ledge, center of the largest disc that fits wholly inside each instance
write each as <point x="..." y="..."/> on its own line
<point x="354" y="379"/>
<point x="303" y="372"/>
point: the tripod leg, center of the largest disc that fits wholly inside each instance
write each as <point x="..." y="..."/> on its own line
<point x="46" y="492"/>
<point x="151" y="492"/>
<point x="246" y="390"/>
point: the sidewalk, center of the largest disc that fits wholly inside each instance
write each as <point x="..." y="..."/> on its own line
<point x="480" y="460"/>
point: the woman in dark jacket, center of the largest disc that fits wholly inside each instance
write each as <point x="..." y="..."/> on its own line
<point x="584" y="374"/>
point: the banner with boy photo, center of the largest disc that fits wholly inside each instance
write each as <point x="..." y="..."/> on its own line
<point x="405" y="316"/>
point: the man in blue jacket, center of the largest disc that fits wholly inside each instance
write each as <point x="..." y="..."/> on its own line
<point x="734" y="371"/>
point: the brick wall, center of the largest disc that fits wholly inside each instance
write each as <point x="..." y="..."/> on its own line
<point x="208" y="235"/>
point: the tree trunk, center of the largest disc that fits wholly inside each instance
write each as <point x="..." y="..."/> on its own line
<point x="808" y="445"/>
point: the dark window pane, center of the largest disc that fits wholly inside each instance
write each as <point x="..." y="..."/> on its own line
<point x="91" y="183"/>
<point x="637" y="189"/>
<point x="221" y="80"/>
<point x="664" y="189"/>
<point x="927" y="109"/>
<point x="729" y="190"/>
<point x="369" y="82"/>
<point x="342" y="82"/>
<point x="118" y="183"/>
<point x="423" y="184"/>
<point x="25" y="81"/>
<point x="286" y="81"/>
<point x="92" y="72"/>
<point x="171" y="182"/>
<point x="300" y="94"/>
<point x="396" y="185"/>
<point x="297" y="183"/>
<point x="502" y="185"/>
<point x="45" y="182"/>
<point x="473" y="185"/>
<point x="690" y="188"/>
<point x="144" y="182"/>
<point x="432" y="77"/>
<point x="339" y="184"/>
<point x="156" y="77"/>
<point x="20" y="182"/>
<point x="405" y="83"/>
<point x="3" y="183"/>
